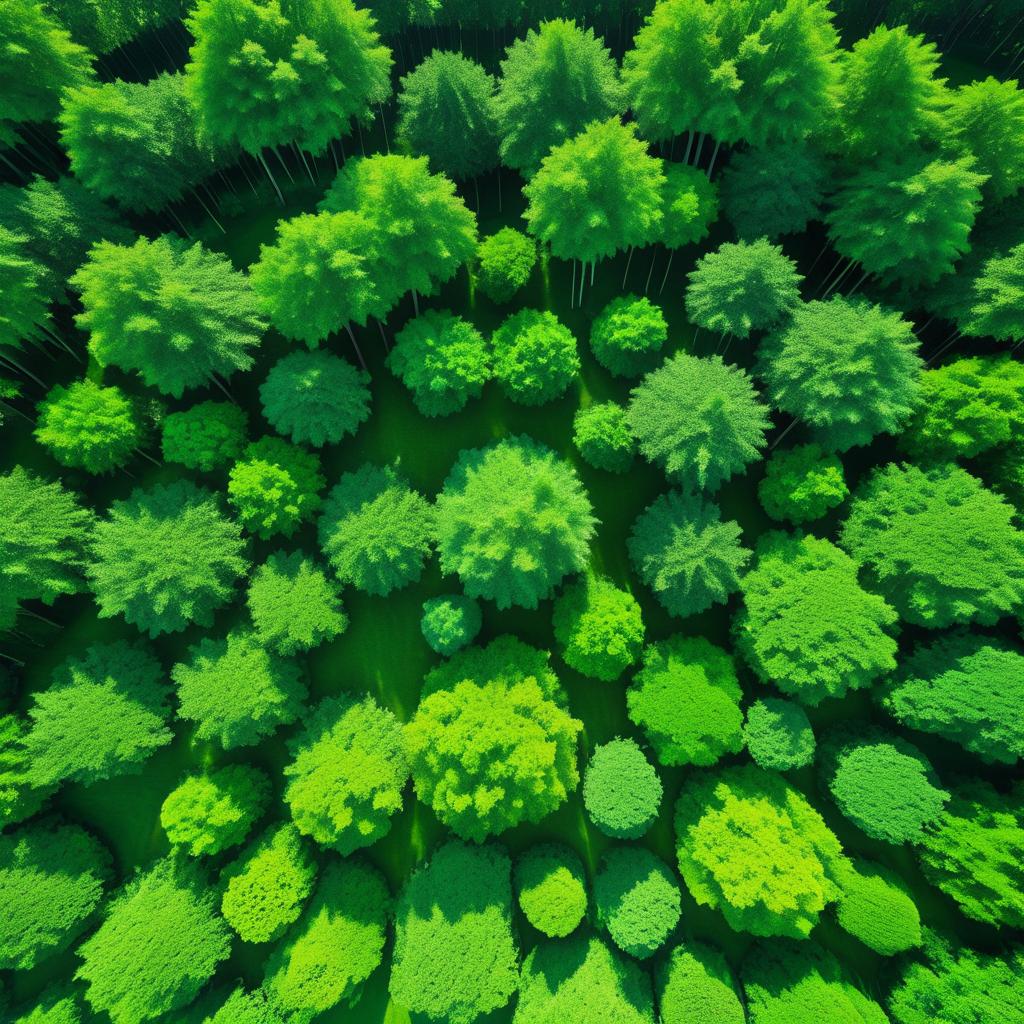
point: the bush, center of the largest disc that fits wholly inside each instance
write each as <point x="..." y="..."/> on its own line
<point x="602" y="437"/>
<point x="802" y="483"/>
<point x="204" y="436"/>
<point x="627" y="335"/>
<point x="552" y="889"/>
<point x="449" y="623"/>
<point x="695" y="986"/>
<point x="535" y="358"/>
<point x="621" y="790"/>
<point x="778" y="735"/>
<point x="876" y="908"/>
<point x="455" y="957"/>
<point x="506" y="260"/>
<point x="686" y="698"/>
<point x="599" y="627"/>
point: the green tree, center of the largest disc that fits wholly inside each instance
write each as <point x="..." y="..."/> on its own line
<point x="554" y="82"/>
<point x="752" y="847"/>
<point x="267" y="74"/>
<point x="236" y="691"/>
<point x="802" y="483"/>
<point x="807" y="626"/>
<point x="315" y="398"/>
<point x="699" y="418"/>
<point x="847" y="367"/>
<point x="689" y="206"/>
<point x="208" y="813"/>
<point x="51" y="882"/>
<point x="512" y="521"/>
<point x="450" y="622"/>
<point x="455" y="956"/>
<point x="347" y="773"/>
<point x="175" y="313"/>
<point x="55" y="1007"/>
<point x="688" y="557"/>
<point x="165" y="558"/>
<point x="88" y="426"/>
<point x="686" y="699"/>
<point x="19" y="799"/>
<point x="26" y="292"/>
<point x="602" y="436"/>
<point x="939" y="546"/>
<point x="243" y="1007"/>
<point x="375" y="530"/>
<point x="621" y="790"/>
<point x="442" y="359"/>
<point x="778" y="735"/>
<point x="492" y="742"/>
<point x="204" y="436"/>
<point x="993" y="305"/>
<point x="446" y="112"/>
<point x="103" y="714"/>
<point x="551" y="888"/>
<point x="695" y="986"/>
<point x="168" y="912"/>
<point x="535" y="357"/>
<point x="877" y="908"/>
<point x="505" y="262"/>
<point x="627" y="335"/>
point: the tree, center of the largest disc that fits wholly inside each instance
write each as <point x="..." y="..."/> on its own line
<point x="877" y="908"/>
<point x="685" y="554"/>
<point x="621" y="790"/>
<point x="19" y="799"/>
<point x="993" y="303"/>
<point x="802" y="483"/>
<point x="26" y="294"/>
<point x="699" y="418"/>
<point x="807" y="625"/>
<point x="208" y="813"/>
<point x="315" y="398"/>
<point x="505" y="262"/>
<point x="695" y="986"/>
<point x="974" y="852"/>
<point x="293" y="606"/>
<point x="450" y="622"/>
<point x="778" y="735"/>
<point x="55" y="1007"/>
<point x="492" y="742"/>
<point x="742" y="287"/>
<point x="599" y="627"/>
<point x="51" y="882"/>
<point x="446" y="112"/>
<point x="243" y="1007"/>
<point x="689" y="206"/>
<point x="168" y="912"/>
<point x="336" y="946"/>
<point x="554" y="82"/>
<point x="43" y="542"/>
<point x="40" y="61"/>
<point x="752" y="847"/>
<point x="204" y="436"/>
<point x="376" y="531"/>
<point x="236" y="691"/>
<point x="686" y="699"/>
<point x="268" y="74"/>
<point x="347" y="773"/>
<point x="596" y="194"/>
<point x="551" y="888"/>
<point x="627" y="335"/>
<point x="535" y="357"/>
<point x="88" y="426"/>
<point x="455" y="956"/>
<point x="442" y="359"/>
<point x="175" y="313"/>
<point x="847" y="367"/>
<point x="512" y="521"/>
<point x="967" y="689"/>
<point x="166" y="557"/>
<point x="602" y="436"/>
<point x="268" y="885"/>
<point x="910" y="530"/>
<point x="104" y="713"/>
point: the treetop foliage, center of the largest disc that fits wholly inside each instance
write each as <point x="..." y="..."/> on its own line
<point x="689" y="205"/>
<point x="25" y="297"/>
<point x="877" y="908"/>
<point x="778" y="734"/>
<point x="993" y="304"/>
<point x="505" y="262"/>
<point x="602" y="436"/>
<point x="535" y="357"/>
<point x="450" y="622"/>
<point x="621" y="790"/>
<point x="204" y="436"/>
<point x="627" y="335"/>
<point x="695" y="986"/>
<point x="802" y="483"/>
<point x="551" y="888"/>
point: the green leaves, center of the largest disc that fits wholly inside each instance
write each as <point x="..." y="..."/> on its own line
<point x="535" y="357"/>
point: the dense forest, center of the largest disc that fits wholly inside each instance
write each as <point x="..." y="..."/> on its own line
<point x="511" y="511"/>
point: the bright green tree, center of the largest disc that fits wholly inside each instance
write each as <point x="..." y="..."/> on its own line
<point x="26" y="292"/>
<point x="877" y="908"/>
<point x="621" y="790"/>
<point x="695" y="986"/>
<point x="242" y="1007"/>
<point x="551" y="888"/>
<point x="993" y="305"/>
<point x="627" y="335"/>
<point x="535" y="357"/>
<point x="19" y="799"/>
<point x="450" y="622"/>
<point x="505" y="262"/>
<point x="688" y="208"/>
<point x="602" y="436"/>
<point x="55" y="1007"/>
<point x="802" y="483"/>
<point x="204" y="436"/>
<point x="778" y="735"/>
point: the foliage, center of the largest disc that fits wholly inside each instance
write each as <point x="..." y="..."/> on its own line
<point x="293" y="606"/>
<point x="168" y="912"/>
<point x="535" y="357"/>
<point x="51" y="882"/>
<point x="689" y="205"/>
<point x="103" y="714"/>
<point x="909" y="530"/>
<point x="450" y="622"/>
<point x="778" y="735"/>
<point x="512" y="520"/>
<point x="315" y="398"/>
<point x="993" y="309"/>
<point x="621" y="790"/>
<point x="492" y="743"/>
<point x="442" y="359"/>
<point x="375" y="530"/>
<point x="752" y="847"/>
<point x="165" y="558"/>
<point x="455" y="957"/>
<point x="237" y="691"/>
<point x="695" y="986"/>
<point x="506" y="260"/>
<point x="599" y="627"/>
<point x="877" y="908"/>
<point x="602" y="436"/>
<point x="684" y="552"/>
<point x="25" y="296"/>
<point x="204" y="436"/>
<point x="19" y="799"/>
<point x="552" y="889"/>
<point x="802" y="483"/>
<point x="347" y="773"/>
<point x="56" y="1007"/>
<point x="243" y="1007"/>
<point x="627" y="335"/>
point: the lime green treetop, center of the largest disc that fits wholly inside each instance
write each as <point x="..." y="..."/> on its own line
<point x="621" y="790"/>
<point x="535" y="356"/>
<point x="695" y="986"/>
<point x="689" y="205"/>
<point x="551" y="888"/>
<point x="627" y="335"/>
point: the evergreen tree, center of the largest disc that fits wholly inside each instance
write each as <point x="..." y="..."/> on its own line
<point x="993" y="305"/>
<point x="26" y="292"/>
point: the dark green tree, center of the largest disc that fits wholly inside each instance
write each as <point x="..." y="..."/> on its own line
<point x="449" y="623"/>
<point x="19" y="799"/>
<point x="551" y="888"/>
<point x="27" y="293"/>
<point x="688" y="208"/>
<point x="802" y="483"/>
<point x="204" y="436"/>
<point x="621" y="790"/>
<point x="505" y="262"/>
<point x="535" y="357"/>
<point x="993" y="302"/>
<point x="778" y="735"/>
<point x="627" y="335"/>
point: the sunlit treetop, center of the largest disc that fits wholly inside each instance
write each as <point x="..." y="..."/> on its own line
<point x="877" y="908"/>
<point x="695" y="986"/>
<point x="627" y="335"/>
<point x="551" y="888"/>
<point x="26" y="297"/>
<point x="993" y="304"/>
<point x="689" y="205"/>
<point x="505" y="262"/>
<point x="535" y="357"/>
<point x="802" y="483"/>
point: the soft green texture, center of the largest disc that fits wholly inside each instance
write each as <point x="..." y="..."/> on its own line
<point x="695" y="986"/>
<point x="621" y="790"/>
<point x="204" y="436"/>
<point x="492" y="742"/>
<point x="455" y="957"/>
<point x="19" y="799"/>
<point x="505" y="262"/>
<point x="535" y="357"/>
<point x="55" y="1008"/>
<point x="602" y="436"/>
<point x="450" y="622"/>
<point x="243" y="1007"/>
<point x="25" y="310"/>
<point x="627" y="335"/>
<point x="778" y="735"/>
<point x="347" y="773"/>
<point x="994" y="306"/>
<point x="686" y="699"/>
<point x="689" y="205"/>
<point x="802" y="483"/>
<point x="877" y="908"/>
<point x="552" y="889"/>
<point x="513" y="519"/>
